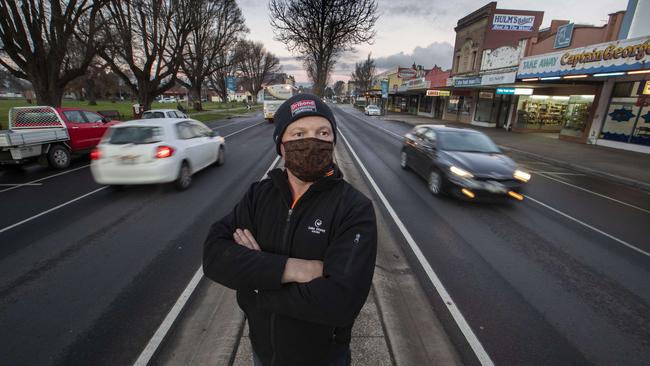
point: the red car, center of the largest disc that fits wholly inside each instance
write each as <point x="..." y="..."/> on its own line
<point x="50" y="135"/>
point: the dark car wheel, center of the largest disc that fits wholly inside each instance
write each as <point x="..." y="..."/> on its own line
<point x="184" y="177"/>
<point x="221" y="156"/>
<point x="403" y="160"/>
<point x="434" y="182"/>
<point x="58" y="157"/>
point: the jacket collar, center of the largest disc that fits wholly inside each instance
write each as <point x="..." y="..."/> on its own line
<point x="280" y="180"/>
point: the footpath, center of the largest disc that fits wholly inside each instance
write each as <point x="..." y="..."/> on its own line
<point x="621" y="166"/>
<point x="397" y="325"/>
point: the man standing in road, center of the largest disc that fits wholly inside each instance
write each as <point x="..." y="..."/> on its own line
<point x="299" y="248"/>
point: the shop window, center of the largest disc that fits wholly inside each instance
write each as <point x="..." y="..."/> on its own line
<point x="453" y="103"/>
<point x="542" y="112"/>
<point x="622" y="90"/>
<point x="484" y="109"/>
<point x="577" y="114"/>
<point x="426" y="104"/>
<point x="627" y="120"/>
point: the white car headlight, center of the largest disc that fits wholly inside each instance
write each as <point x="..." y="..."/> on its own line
<point x="521" y="175"/>
<point x="461" y="172"/>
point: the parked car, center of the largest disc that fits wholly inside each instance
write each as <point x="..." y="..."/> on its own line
<point x="50" y="135"/>
<point x="462" y="162"/>
<point x="152" y="151"/>
<point x="167" y="100"/>
<point x="163" y="113"/>
<point x="372" y="110"/>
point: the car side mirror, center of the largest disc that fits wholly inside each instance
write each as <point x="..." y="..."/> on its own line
<point x="105" y="120"/>
<point x="213" y="134"/>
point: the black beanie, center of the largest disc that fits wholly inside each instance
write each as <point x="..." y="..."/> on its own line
<point x="296" y="107"/>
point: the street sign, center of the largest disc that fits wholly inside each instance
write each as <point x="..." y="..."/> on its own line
<point x="230" y="83"/>
<point x="384" y="88"/>
<point x="563" y="36"/>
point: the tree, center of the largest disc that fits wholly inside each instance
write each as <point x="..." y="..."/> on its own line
<point x="147" y="38"/>
<point x="97" y="83"/>
<point x="228" y="60"/>
<point x="215" y="29"/>
<point x="339" y="88"/>
<point x="319" y="31"/>
<point x="363" y="73"/>
<point x="255" y="65"/>
<point x="48" y="42"/>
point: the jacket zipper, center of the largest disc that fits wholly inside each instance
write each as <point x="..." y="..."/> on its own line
<point x="285" y="237"/>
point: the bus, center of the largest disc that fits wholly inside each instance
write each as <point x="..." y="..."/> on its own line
<point x="274" y="95"/>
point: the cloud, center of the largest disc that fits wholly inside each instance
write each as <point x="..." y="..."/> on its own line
<point x="437" y="53"/>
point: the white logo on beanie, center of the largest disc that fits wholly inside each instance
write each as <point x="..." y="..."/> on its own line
<point x="303" y="106"/>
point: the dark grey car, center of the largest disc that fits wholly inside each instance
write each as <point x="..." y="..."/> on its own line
<point x="462" y="162"/>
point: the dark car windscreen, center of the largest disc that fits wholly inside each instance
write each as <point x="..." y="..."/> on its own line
<point x="466" y="141"/>
<point x="135" y="135"/>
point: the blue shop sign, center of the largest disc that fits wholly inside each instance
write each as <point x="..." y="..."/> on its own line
<point x="467" y="81"/>
<point x="506" y="91"/>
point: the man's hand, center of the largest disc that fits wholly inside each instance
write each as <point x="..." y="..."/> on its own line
<point x="296" y="270"/>
<point x="245" y="238"/>
<point x="302" y="270"/>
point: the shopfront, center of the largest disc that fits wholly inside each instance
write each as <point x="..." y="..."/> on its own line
<point x="438" y="101"/>
<point x="460" y="106"/>
<point x="563" y="110"/>
<point x="627" y="119"/>
<point x="608" y="107"/>
<point x="493" y="106"/>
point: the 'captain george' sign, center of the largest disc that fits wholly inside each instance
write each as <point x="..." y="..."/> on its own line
<point x="622" y="55"/>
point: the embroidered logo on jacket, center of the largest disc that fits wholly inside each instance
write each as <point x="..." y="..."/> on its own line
<point x="316" y="228"/>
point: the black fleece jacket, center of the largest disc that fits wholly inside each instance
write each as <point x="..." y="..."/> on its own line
<point x="294" y="323"/>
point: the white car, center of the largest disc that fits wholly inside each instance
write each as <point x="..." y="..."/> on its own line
<point x="163" y="113"/>
<point x="151" y="151"/>
<point x="372" y="110"/>
<point x="167" y="100"/>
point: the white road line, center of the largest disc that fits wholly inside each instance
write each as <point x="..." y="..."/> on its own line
<point x="589" y="226"/>
<point x="21" y="184"/>
<point x="160" y="334"/>
<point x="555" y="173"/>
<point x="226" y="125"/>
<point x="592" y="192"/>
<point x="42" y="179"/>
<point x="243" y="129"/>
<point x="398" y="136"/>
<point x="50" y="210"/>
<point x="471" y="338"/>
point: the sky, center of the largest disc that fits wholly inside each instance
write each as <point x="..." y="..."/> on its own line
<point x="420" y="31"/>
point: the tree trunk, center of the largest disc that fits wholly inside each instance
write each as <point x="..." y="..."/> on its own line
<point x="90" y="90"/>
<point x="48" y="95"/>
<point x="195" y="92"/>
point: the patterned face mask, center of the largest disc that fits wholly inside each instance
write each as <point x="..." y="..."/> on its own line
<point x="308" y="159"/>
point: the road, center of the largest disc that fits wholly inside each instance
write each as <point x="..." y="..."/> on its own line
<point x="535" y="284"/>
<point x="89" y="282"/>
<point x="87" y="274"/>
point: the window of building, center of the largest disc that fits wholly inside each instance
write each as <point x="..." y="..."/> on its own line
<point x="627" y="118"/>
<point x="426" y="104"/>
<point x="473" y="60"/>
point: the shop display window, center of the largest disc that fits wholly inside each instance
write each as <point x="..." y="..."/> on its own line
<point x="628" y="115"/>
<point x="577" y="114"/>
<point x="484" y="109"/>
<point x="426" y="104"/>
<point x="542" y="112"/>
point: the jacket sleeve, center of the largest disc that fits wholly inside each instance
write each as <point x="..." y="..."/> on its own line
<point x="337" y="297"/>
<point x="233" y="265"/>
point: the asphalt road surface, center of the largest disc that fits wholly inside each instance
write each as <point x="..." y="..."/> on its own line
<point x="87" y="274"/>
<point x="560" y="278"/>
<point x="89" y="282"/>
